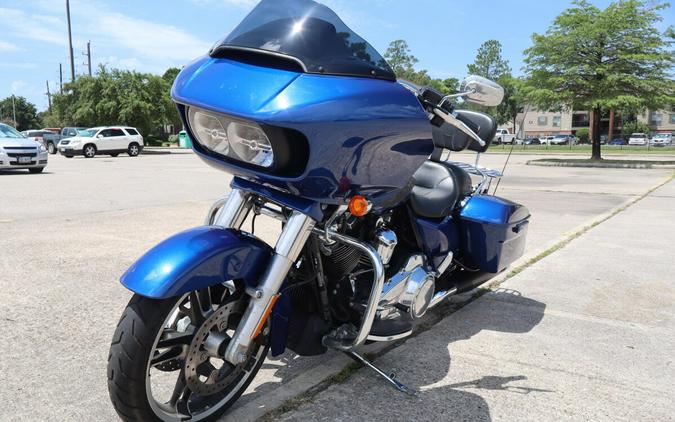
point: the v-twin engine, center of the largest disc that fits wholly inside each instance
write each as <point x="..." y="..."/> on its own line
<point x="409" y="291"/>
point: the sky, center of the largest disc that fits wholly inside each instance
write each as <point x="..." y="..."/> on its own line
<point x="153" y="35"/>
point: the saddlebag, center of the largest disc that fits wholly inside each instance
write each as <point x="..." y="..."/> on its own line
<point x="493" y="232"/>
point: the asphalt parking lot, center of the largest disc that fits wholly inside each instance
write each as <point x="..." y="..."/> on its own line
<point x="67" y="235"/>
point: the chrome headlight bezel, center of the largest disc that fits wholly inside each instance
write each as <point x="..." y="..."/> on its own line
<point x="231" y="137"/>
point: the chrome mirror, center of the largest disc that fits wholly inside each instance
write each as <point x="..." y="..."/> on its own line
<point x="482" y="91"/>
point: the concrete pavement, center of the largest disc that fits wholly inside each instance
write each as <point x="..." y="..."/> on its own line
<point x="587" y="333"/>
<point x="67" y="235"/>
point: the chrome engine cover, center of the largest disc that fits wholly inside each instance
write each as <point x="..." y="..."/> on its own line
<point x="409" y="291"/>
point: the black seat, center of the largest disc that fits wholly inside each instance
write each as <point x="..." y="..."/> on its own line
<point x="438" y="188"/>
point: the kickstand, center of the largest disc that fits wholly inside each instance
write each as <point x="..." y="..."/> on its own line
<point x="391" y="378"/>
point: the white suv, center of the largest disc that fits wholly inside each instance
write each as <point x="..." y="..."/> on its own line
<point x="638" y="139"/>
<point x="109" y="140"/>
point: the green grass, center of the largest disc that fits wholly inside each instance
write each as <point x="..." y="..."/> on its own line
<point x="607" y="161"/>
<point x="577" y="149"/>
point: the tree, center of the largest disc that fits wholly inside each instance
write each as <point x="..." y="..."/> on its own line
<point x="26" y="113"/>
<point x="489" y="62"/>
<point x="399" y="57"/>
<point x="512" y="104"/>
<point x="116" y="97"/>
<point x="172" y="116"/>
<point x="593" y="59"/>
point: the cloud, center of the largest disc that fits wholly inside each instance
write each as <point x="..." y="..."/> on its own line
<point x="44" y="28"/>
<point x="8" y="46"/>
<point x="129" y="63"/>
<point x="149" y="40"/>
<point x="18" y="65"/>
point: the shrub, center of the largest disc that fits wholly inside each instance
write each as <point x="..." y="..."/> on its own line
<point x="173" y="139"/>
<point x="634" y="127"/>
<point x="582" y="134"/>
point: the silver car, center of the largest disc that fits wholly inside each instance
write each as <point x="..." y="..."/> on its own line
<point x="19" y="152"/>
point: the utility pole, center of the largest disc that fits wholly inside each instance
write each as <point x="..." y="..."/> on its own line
<point x="70" y="43"/>
<point x="49" y="98"/>
<point x="88" y="54"/>
<point x="61" y="78"/>
<point x="13" y="111"/>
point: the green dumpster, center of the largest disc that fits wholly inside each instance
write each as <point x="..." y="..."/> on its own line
<point x="184" y="140"/>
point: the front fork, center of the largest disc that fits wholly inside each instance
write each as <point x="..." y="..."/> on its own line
<point x="286" y="251"/>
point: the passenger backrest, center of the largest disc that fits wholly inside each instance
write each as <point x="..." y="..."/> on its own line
<point x="448" y="137"/>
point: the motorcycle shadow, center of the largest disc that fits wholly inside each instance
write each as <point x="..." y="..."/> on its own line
<point x="425" y="363"/>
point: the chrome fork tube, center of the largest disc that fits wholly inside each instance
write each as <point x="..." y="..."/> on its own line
<point x="230" y="212"/>
<point x="286" y="252"/>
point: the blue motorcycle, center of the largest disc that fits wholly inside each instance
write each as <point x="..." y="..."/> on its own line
<point x="377" y="224"/>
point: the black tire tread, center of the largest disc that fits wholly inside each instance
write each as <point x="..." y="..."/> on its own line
<point x="134" y="335"/>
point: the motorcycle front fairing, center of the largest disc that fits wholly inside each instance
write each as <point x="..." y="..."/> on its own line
<point x="295" y="67"/>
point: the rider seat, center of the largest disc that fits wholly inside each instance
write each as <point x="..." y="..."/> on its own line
<point x="438" y="189"/>
<point x="440" y="186"/>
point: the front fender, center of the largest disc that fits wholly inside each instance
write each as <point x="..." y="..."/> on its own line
<point x="197" y="258"/>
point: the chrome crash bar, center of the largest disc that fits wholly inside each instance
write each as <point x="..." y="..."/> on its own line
<point x="231" y="212"/>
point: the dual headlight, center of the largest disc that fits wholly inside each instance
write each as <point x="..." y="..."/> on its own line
<point x="237" y="139"/>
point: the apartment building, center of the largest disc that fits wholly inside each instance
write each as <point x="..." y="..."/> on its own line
<point x="546" y="123"/>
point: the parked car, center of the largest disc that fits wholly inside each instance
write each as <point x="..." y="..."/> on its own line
<point x="563" y="140"/>
<point x="617" y="141"/>
<point x="532" y="141"/>
<point x="503" y="137"/>
<point x="638" y="139"/>
<point x="662" y="140"/>
<point x="35" y="134"/>
<point x="546" y="140"/>
<point x="109" y="140"/>
<point x="19" y="152"/>
<point x="52" y="139"/>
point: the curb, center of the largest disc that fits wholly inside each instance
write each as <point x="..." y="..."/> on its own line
<point x="306" y="385"/>
<point x="637" y="165"/>
<point x="164" y="151"/>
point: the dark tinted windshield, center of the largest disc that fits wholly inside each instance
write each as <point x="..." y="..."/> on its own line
<point x="311" y="33"/>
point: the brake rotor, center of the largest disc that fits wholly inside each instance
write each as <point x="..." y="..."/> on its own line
<point x="202" y="376"/>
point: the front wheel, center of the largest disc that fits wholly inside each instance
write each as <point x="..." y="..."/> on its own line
<point x="51" y="148"/>
<point x="165" y="359"/>
<point x="89" y="151"/>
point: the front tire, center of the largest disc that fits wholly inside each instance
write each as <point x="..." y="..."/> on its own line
<point x="89" y="151"/>
<point x="36" y="170"/>
<point x="51" y="148"/>
<point x="165" y="336"/>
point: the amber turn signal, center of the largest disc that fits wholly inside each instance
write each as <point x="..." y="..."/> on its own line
<point x="358" y="206"/>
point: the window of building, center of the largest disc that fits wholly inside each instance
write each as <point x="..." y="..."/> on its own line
<point x="672" y="119"/>
<point x="657" y="119"/>
<point x="542" y="120"/>
<point x="580" y="120"/>
<point x="556" y="121"/>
